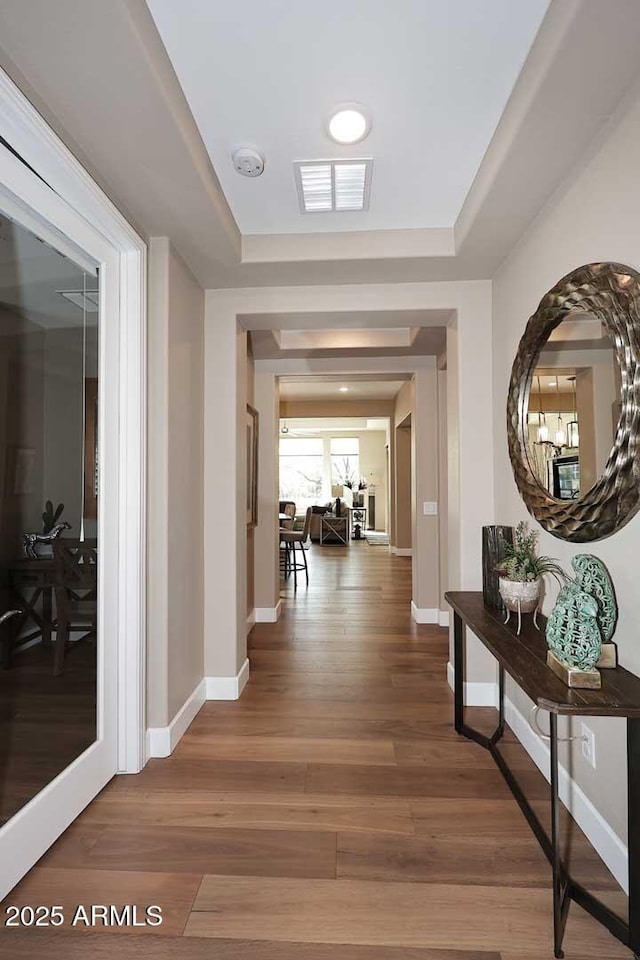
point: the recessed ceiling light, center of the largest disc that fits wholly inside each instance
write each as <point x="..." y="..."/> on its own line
<point x="344" y="389"/>
<point x="348" y="123"/>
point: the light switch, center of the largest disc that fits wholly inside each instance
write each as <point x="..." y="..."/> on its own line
<point x="430" y="508"/>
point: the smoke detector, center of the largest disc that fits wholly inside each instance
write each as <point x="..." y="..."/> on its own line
<point x="248" y="162"/>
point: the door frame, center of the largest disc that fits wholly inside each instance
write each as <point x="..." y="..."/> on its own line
<point x="59" y="186"/>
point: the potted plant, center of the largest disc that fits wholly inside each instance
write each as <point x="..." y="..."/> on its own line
<point x="50" y="516"/>
<point x="521" y="571"/>
<point x="358" y="495"/>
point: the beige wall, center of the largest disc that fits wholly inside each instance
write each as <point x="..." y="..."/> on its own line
<point x="225" y="412"/>
<point x="402" y="499"/>
<point x="596" y="218"/>
<point x="251" y="398"/>
<point x="266" y="556"/>
<point x="176" y="478"/>
<point x="405" y="402"/>
<point x="296" y="409"/>
<point x="424" y="452"/>
<point x="416" y="481"/>
<point x="443" y="493"/>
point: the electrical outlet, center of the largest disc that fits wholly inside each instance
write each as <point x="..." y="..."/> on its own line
<point x="589" y="745"/>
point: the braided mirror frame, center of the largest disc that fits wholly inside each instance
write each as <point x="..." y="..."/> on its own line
<point x="610" y="292"/>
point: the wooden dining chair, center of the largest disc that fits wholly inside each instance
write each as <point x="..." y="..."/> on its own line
<point x="76" y="592"/>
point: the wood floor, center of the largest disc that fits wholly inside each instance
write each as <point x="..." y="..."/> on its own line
<point x="330" y="814"/>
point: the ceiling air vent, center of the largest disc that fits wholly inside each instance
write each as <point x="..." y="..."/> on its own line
<point x="333" y="186"/>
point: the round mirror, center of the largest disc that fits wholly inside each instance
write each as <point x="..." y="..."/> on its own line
<point x="573" y="408"/>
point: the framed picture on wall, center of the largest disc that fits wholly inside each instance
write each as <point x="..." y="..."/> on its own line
<point x="252" y="467"/>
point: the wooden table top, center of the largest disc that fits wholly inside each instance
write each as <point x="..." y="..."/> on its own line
<point x="524" y="659"/>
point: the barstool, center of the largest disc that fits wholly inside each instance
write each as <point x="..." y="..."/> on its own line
<point x="287" y="507"/>
<point x="290" y="538"/>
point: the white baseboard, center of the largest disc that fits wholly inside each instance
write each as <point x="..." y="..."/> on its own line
<point x="424" y="614"/>
<point x="601" y="835"/>
<point x="162" y="741"/>
<point x="227" y="688"/>
<point x="475" y="694"/>
<point x="604" y="839"/>
<point x="402" y="551"/>
<point x="268" y="614"/>
<point x="443" y="618"/>
<point x="251" y="619"/>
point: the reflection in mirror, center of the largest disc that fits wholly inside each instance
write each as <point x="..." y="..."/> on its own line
<point x="48" y="452"/>
<point x="573" y="407"/>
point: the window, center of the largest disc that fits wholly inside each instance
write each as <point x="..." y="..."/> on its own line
<point x="345" y="461"/>
<point x="301" y="462"/>
<point x="311" y="466"/>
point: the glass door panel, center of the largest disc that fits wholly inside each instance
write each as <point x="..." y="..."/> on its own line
<point x="49" y="311"/>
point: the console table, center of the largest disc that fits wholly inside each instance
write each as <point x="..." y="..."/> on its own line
<point x="523" y="658"/>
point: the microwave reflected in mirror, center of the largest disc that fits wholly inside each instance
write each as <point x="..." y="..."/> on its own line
<point x="573" y="407"/>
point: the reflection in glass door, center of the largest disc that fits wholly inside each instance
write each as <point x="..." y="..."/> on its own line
<point x="48" y="513"/>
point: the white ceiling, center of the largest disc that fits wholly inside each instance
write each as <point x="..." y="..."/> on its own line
<point x="311" y="388"/>
<point x="267" y="345"/>
<point x="435" y="76"/>
<point x="119" y="107"/>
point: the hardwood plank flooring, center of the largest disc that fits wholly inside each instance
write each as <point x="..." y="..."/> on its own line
<point x="447" y="860"/>
<point x="290" y="749"/>
<point x="332" y="813"/>
<point x="394" y="914"/>
<point x="60" y="945"/>
<point x="179" y="849"/>
<point x="259" y="811"/>
<point x="69" y="888"/>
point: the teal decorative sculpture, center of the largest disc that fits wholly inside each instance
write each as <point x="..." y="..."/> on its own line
<point x="595" y="580"/>
<point x="584" y="616"/>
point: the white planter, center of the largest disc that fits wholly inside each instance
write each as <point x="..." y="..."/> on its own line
<point x="520" y="595"/>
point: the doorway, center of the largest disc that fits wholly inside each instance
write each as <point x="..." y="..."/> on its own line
<point x="71" y="461"/>
<point x="49" y="455"/>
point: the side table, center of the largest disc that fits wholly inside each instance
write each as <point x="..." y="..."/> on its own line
<point x="334" y="530"/>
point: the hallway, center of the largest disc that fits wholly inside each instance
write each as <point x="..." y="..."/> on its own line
<point x="330" y="814"/>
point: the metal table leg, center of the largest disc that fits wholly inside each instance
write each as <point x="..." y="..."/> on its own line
<point x="458" y="672"/>
<point x="560" y="899"/>
<point x="565" y="888"/>
<point x="633" y="813"/>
